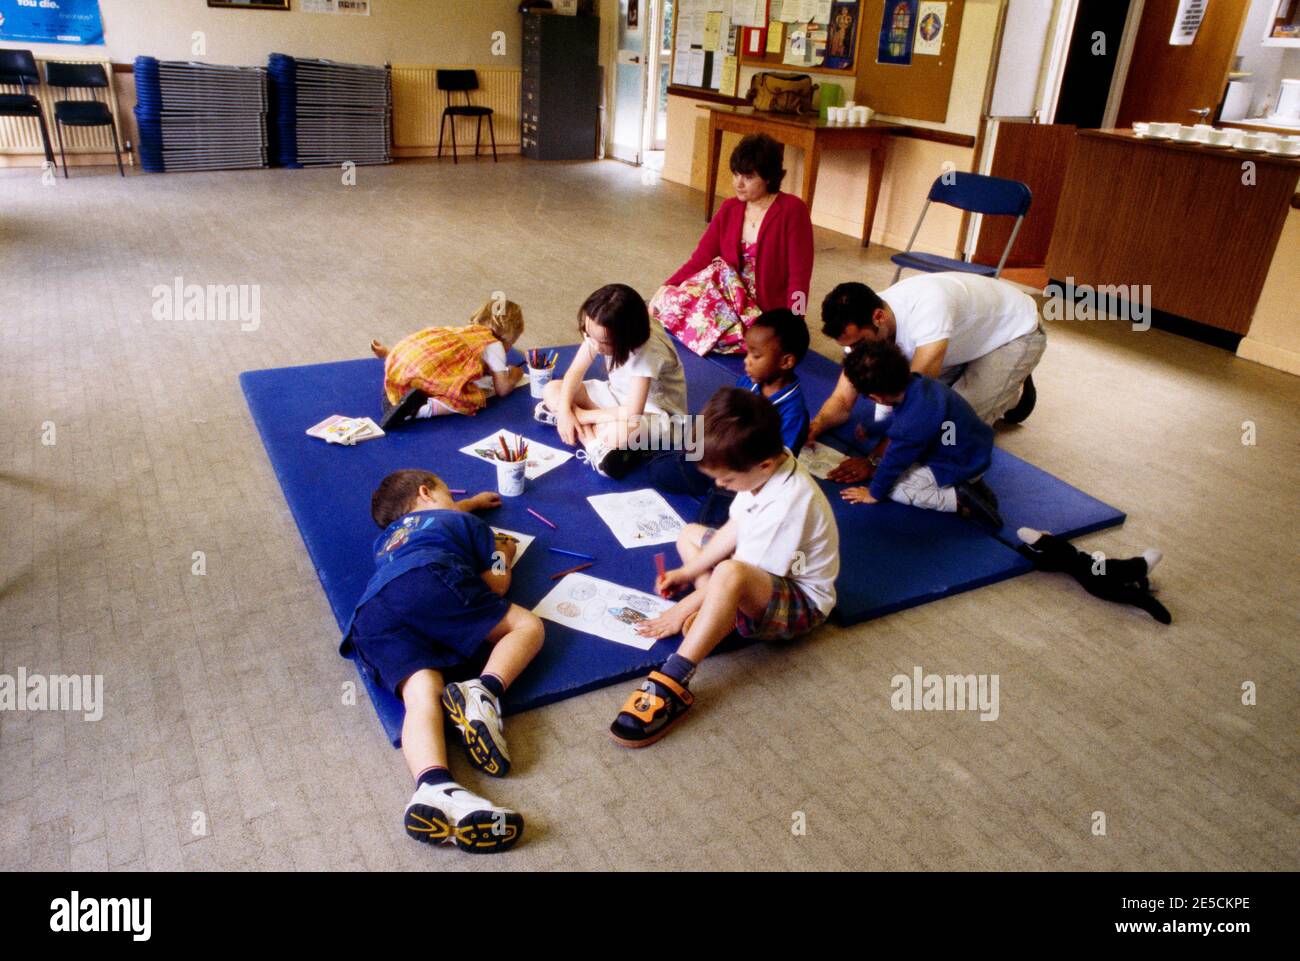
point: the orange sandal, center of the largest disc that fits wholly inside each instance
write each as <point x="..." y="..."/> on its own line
<point x="650" y="711"/>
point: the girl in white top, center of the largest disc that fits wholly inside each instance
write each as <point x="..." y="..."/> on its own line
<point x="646" y="380"/>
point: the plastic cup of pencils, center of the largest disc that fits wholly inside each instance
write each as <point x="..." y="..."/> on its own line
<point x="511" y="477"/>
<point x="538" y="378"/>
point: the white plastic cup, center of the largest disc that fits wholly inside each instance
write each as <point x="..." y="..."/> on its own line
<point x="512" y="477"/>
<point x="538" y="378"/>
<point x="860" y="116"/>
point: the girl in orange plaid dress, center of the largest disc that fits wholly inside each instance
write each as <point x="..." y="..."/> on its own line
<point x="449" y="370"/>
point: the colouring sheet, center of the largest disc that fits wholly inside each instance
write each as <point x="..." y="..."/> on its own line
<point x="541" y="458"/>
<point x="820" y="460"/>
<point x="521" y="541"/>
<point x="638" y="518"/>
<point x="598" y="607"/>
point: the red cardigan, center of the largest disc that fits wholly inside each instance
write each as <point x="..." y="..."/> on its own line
<point x="785" y="251"/>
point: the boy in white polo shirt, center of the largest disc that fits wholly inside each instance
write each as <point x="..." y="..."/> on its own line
<point x="768" y="573"/>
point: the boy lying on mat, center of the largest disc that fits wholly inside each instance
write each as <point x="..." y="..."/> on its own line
<point x="938" y="449"/>
<point x="436" y="371"/>
<point x="437" y="602"/>
<point x="769" y="572"/>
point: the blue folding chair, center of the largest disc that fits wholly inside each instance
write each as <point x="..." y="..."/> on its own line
<point x="977" y="194"/>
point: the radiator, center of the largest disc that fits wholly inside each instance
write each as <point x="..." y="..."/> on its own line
<point x="23" y="136"/>
<point x="418" y="105"/>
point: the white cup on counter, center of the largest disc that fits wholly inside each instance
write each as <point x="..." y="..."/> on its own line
<point x="1287" y="146"/>
<point x="1165" y="130"/>
<point x="1184" y="134"/>
<point x="1202" y="132"/>
<point x="1221" y="138"/>
<point x="1257" y="141"/>
<point x="1142" y="129"/>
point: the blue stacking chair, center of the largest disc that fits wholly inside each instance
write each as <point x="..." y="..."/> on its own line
<point x="18" y="68"/>
<point x="81" y="113"/>
<point x="975" y="193"/>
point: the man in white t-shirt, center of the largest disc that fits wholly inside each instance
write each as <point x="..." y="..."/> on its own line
<point x="769" y="572"/>
<point x="979" y="335"/>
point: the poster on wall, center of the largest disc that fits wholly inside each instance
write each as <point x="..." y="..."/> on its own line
<point x="841" y="35"/>
<point x="897" y="28"/>
<point x="1187" y="22"/>
<point x="930" y="18"/>
<point x="67" y="21"/>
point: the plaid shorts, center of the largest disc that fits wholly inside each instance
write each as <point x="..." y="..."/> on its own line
<point x="788" y="615"/>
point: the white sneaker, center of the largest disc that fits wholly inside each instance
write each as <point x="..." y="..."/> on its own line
<point x="477" y="715"/>
<point x="594" y="455"/>
<point x="544" y="415"/>
<point x="449" y="814"/>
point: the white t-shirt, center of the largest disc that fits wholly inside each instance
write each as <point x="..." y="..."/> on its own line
<point x="975" y="314"/>
<point x="789" y="520"/>
<point x="494" y="357"/>
<point x="657" y="359"/>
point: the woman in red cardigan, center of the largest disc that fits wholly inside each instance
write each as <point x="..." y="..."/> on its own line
<point x="757" y="255"/>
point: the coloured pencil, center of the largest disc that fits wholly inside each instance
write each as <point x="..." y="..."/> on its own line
<point x="561" y="550"/>
<point x="454" y="490"/>
<point x="659" y="564"/>
<point x="571" y="570"/>
<point x="542" y="519"/>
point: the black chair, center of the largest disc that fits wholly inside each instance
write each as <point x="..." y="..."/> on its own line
<point x="81" y="113"/>
<point x="18" y="67"/>
<point x="463" y="81"/>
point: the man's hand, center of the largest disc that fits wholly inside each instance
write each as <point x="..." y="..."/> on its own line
<point x="852" y="470"/>
<point x="858" y="495"/>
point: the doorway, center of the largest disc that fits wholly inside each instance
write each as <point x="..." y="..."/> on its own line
<point x="640" y="131"/>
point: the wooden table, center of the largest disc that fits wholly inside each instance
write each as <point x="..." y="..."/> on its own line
<point x="810" y="133"/>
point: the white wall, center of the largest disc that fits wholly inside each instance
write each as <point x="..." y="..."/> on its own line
<point x="397" y="31"/>
<point x="1270" y="65"/>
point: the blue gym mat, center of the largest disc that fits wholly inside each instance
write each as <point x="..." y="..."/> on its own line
<point x="1027" y="495"/>
<point x="895" y="557"/>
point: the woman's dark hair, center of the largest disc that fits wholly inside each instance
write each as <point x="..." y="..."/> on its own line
<point x="877" y="367"/>
<point x="621" y="311"/>
<point x="740" y="430"/>
<point x="850" y="303"/>
<point x="395" y="496"/>
<point x="759" y="154"/>
<point x="789" y="329"/>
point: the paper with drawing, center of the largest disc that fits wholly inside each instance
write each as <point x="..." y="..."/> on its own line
<point x="598" y="607"/>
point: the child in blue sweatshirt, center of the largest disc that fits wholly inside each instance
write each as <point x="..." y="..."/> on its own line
<point x="938" y="448"/>
<point x="774" y="345"/>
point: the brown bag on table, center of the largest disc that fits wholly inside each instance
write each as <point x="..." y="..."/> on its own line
<point x="782" y="92"/>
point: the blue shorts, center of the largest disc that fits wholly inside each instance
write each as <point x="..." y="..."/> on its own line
<point x="431" y="617"/>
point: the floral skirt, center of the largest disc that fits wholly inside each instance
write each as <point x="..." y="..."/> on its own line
<point x="712" y="310"/>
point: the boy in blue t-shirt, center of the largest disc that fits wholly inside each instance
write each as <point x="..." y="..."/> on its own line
<point x="774" y="345"/>
<point x="938" y="448"/>
<point x="436" y="602"/>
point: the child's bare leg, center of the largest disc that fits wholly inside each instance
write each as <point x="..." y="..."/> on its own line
<point x="734" y="586"/>
<point x="423" y="743"/>
<point x="515" y="642"/>
<point x="689" y="544"/>
<point x="553" y="392"/>
<point x="379" y="350"/>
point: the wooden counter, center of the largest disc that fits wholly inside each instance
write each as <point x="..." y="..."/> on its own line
<point x="1183" y="218"/>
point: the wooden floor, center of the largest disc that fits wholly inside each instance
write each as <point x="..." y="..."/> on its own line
<point x="226" y="743"/>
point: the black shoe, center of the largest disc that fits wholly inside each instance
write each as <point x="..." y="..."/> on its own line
<point x="404" y="410"/>
<point x="1025" y="406"/>
<point x="976" y="501"/>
